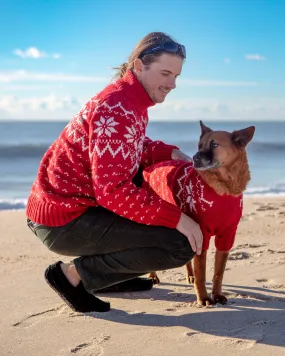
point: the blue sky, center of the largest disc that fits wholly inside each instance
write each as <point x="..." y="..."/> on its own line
<point x="56" y="54"/>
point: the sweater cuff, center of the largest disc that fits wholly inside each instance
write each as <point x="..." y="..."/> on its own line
<point x="163" y="153"/>
<point x="169" y="215"/>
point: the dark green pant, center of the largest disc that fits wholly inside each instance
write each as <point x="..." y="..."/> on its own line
<point x="113" y="249"/>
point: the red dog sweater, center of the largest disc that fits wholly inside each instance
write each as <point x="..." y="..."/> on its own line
<point x="179" y="183"/>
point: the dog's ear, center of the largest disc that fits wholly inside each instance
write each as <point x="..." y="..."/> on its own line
<point x="204" y="129"/>
<point x="242" y="137"/>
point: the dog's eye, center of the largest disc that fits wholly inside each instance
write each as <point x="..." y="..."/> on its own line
<point x="214" y="144"/>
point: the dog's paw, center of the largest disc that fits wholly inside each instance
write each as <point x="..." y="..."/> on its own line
<point x="190" y="279"/>
<point x="156" y="280"/>
<point x="206" y="302"/>
<point x="154" y="277"/>
<point x="220" y="299"/>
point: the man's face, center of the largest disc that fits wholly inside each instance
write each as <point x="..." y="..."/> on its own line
<point x="159" y="78"/>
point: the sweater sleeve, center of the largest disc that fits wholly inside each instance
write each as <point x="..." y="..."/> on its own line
<point x="225" y="240"/>
<point x="115" y="157"/>
<point x="154" y="151"/>
<point x="226" y="233"/>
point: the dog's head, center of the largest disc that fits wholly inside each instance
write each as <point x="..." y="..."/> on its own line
<point x="220" y="148"/>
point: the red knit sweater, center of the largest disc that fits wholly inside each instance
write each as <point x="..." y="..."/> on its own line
<point x="179" y="183"/>
<point x="95" y="158"/>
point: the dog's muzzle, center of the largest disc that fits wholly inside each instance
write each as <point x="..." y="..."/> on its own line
<point x="204" y="161"/>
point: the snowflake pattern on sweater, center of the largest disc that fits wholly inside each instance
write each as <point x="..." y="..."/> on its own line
<point x="95" y="159"/>
<point x="179" y="183"/>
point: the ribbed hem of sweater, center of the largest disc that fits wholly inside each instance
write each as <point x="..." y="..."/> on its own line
<point x="47" y="214"/>
<point x="52" y="215"/>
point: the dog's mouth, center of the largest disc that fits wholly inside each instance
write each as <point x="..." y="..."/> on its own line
<point x="207" y="167"/>
<point x="203" y="163"/>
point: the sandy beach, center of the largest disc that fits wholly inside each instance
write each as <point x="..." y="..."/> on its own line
<point x="163" y="321"/>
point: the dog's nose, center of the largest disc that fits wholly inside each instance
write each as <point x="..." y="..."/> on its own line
<point x="197" y="158"/>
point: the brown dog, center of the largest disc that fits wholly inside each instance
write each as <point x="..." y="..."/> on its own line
<point x="209" y="190"/>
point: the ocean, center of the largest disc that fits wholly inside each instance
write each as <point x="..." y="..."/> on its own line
<point x="22" y="145"/>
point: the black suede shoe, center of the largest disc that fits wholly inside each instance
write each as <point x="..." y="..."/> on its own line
<point x="132" y="285"/>
<point x="77" y="298"/>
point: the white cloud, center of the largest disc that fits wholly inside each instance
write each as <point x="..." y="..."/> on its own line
<point x="33" y="52"/>
<point x="21" y="88"/>
<point x="227" y="60"/>
<point x="4" y="114"/>
<point x="213" y="109"/>
<point x="47" y="107"/>
<point x="22" y="75"/>
<point x="216" y="83"/>
<point x="55" y="107"/>
<point x="254" y="57"/>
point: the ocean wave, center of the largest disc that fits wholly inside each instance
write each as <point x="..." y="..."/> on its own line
<point x="37" y="150"/>
<point x="13" y="204"/>
<point x="277" y="189"/>
<point x="27" y="150"/>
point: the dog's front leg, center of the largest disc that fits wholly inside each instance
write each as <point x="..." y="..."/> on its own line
<point x="220" y="265"/>
<point x="154" y="277"/>
<point x="189" y="273"/>
<point x="200" y="280"/>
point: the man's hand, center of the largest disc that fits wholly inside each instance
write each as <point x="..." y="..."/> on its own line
<point x="177" y="154"/>
<point x="192" y="231"/>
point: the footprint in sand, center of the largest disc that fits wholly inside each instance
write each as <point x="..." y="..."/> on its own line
<point x="36" y="318"/>
<point x="245" y="255"/>
<point x="260" y="280"/>
<point x="239" y="256"/>
<point x="242" y="338"/>
<point x="267" y="207"/>
<point x="271" y="286"/>
<point x="277" y="286"/>
<point x="136" y="312"/>
<point x="270" y="251"/>
<point x="178" y="306"/>
<point x="250" y="245"/>
<point x="248" y="217"/>
<point x="93" y="348"/>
